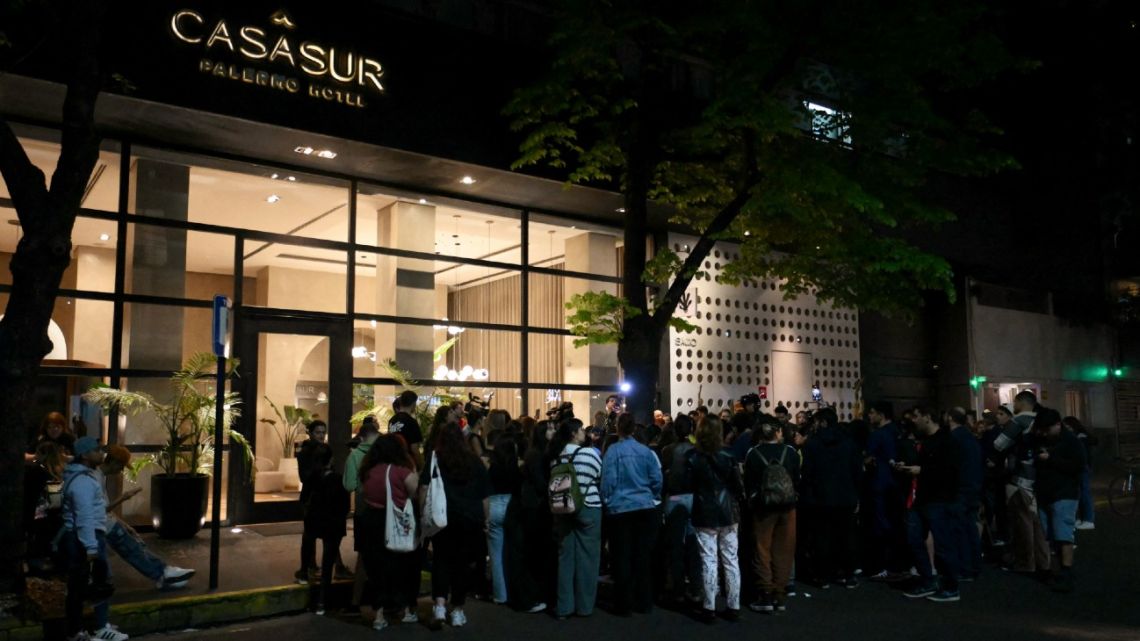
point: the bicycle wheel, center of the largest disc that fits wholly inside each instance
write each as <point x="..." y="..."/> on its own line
<point x="1123" y="495"/>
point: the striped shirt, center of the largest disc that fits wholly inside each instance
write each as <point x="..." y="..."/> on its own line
<point x="589" y="467"/>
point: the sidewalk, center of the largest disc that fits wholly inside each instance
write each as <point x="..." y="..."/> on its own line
<point x="257" y="563"/>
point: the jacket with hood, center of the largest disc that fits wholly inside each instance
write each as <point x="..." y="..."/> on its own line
<point x="84" y="505"/>
<point x="831" y="470"/>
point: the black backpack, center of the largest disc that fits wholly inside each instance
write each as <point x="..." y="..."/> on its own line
<point x="776" y="489"/>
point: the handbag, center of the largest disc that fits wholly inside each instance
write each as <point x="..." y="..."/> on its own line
<point x="399" y="524"/>
<point x="435" y="505"/>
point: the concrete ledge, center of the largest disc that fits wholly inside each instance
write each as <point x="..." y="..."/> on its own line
<point x="184" y="612"/>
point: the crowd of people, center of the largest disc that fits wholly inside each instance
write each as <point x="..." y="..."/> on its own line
<point x="695" y="510"/>
<point x="688" y="511"/>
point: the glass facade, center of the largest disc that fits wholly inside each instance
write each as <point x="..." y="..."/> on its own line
<point x="464" y="296"/>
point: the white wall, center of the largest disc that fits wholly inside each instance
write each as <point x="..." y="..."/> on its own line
<point x="1011" y="346"/>
<point x="742" y="346"/>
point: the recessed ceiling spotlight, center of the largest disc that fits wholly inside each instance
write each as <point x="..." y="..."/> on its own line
<point x="304" y="150"/>
<point x="104" y="237"/>
<point x="620" y="210"/>
<point x="467" y="180"/>
<point x="274" y="176"/>
<point x="291" y="178"/>
<point x="423" y="201"/>
<point x="327" y="153"/>
<point x="272" y="198"/>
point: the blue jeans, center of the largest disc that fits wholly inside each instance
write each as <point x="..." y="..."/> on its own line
<point x="970" y="542"/>
<point x="78" y="574"/>
<point x="1085" y="511"/>
<point x="499" y="503"/>
<point x="579" y="555"/>
<point x="943" y="521"/>
<point x="127" y="544"/>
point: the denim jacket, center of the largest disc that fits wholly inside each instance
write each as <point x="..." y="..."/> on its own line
<point x="631" y="477"/>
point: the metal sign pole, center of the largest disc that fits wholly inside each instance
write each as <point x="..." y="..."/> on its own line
<point x="221" y="347"/>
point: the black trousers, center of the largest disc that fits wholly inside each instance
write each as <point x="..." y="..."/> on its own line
<point x="456" y="549"/>
<point x="389" y="573"/>
<point x="632" y="537"/>
<point x="832" y="553"/>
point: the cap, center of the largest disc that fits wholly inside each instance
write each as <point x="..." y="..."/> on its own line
<point x="85" y="445"/>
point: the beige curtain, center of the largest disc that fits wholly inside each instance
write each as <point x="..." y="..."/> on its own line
<point x="498" y="301"/>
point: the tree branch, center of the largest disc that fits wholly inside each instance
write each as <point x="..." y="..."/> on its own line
<point x="25" y="181"/>
<point x="698" y="254"/>
<point x="79" y="142"/>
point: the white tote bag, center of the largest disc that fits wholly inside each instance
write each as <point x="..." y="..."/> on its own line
<point x="435" y="505"/>
<point x="399" y="524"/>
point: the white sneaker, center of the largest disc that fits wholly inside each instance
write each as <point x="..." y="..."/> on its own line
<point x="379" y="623"/>
<point x="109" y="633"/>
<point x="174" y="577"/>
<point x="1086" y="525"/>
<point x="410" y="617"/>
<point x="457" y="619"/>
<point x="438" y="613"/>
<point x="536" y="608"/>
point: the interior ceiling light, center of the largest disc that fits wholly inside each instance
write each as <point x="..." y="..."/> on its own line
<point x="104" y="237"/>
<point x="272" y="198"/>
<point x="423" y="201"/>
<point x="308" y="151"/>
<point x="467" y="180"/>
<point x="274" y="176"/>
<point x="327" y="153"/>
<point x="291" y="178"/>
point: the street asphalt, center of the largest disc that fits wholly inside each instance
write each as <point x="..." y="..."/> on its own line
<point x="999" y="606"/>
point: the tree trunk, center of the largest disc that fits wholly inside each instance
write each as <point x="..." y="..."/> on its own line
<point x="640" y="354"/>
<point x="42" y="255"/>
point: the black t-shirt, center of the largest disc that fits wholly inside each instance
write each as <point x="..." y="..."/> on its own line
<point x="406" y="425"/>
<point x="465" y="495"/>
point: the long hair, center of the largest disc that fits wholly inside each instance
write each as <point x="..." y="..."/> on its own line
<point x="710" y="435"/>
<point x="506" y="451"/>
<point x="57" y="419"/>
<point x="562" y="437"/>
<point x="387" y="449"/>
<point x="538" y="440"/>
<point x="453" y="453"/>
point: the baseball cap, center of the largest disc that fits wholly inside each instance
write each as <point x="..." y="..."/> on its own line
<point x="85" y="445"/>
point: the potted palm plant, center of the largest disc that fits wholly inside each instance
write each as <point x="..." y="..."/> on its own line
<point x="179" y="492"/>
<point x="290" y="427"/>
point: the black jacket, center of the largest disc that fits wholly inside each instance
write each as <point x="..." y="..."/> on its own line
<point x="831" y="470"/>
<point x="940" y="459"/>
<point x="717" y="489"/>
<point x="327" y="507"/>
<point x="1059" y="476"/>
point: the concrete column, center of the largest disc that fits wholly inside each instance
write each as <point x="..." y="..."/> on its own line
<point x="593" y="364"/>
<point x="406" y="287"/>
<point x="158" y="264"/>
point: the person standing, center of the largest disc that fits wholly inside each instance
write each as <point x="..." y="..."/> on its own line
<point x="310" y="470"/>
<point x="388" y="470"/>
<point x="53" y="429"/>
<point x="580" y="534"/>
<point x="680" y="537"/>
<point x="529" y="555"/>
<point x="631" y="494"/>
<point x="887" y="550"/>
<point x="1086" y="514"/>
<point x="506" y="482"/>
<point x="457" y="547"/>
<point x="404" y="423"/>
<point x="325" y="516"/>
<point x="84" y="543"/>
<point x="366" y="436"/>
<point x="1060" y="461"/>
<point x="1016" y="449"/>
<point x="935" y="510"/>
<point x="717" y="489"/>
<point x="969" y="493"/>
<point x="832" y="466"/>
<point x="774" y="520"/>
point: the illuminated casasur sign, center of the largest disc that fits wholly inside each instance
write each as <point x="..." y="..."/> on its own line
<point x="349" y="74"/>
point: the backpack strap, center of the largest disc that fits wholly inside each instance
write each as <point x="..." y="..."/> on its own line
<point x="783" y="455"/>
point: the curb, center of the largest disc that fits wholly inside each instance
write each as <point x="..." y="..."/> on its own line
<point x="182" y="613"/>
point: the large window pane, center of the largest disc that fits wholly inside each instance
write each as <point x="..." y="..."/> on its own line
<point x="553" y="360"/>
<point x="295" y="277"/>
<point x="163" y="337"/>
<point x="575" y="246"/>
<point x="443" y="226"/>
<point x="80" y="331"/>
<point x="550" y="293"/>
<point x="163" y="261"/>
<point x="427" y="352"/>
<point x="231" y="194"/>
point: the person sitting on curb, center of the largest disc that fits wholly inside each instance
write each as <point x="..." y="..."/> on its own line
<point x="122" y="537"/>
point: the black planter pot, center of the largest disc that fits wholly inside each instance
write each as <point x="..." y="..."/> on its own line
<point x="178" y="504"/>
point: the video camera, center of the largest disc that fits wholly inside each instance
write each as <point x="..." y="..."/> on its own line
<point x="477" y="408"/>
<point x="563" y="411"/>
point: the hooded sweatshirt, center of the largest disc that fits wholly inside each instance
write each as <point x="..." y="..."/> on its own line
<point x="831" y="469"/>
<point x="84" y="505"/>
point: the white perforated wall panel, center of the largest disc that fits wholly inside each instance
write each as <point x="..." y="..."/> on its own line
<point x="750" y="338"/>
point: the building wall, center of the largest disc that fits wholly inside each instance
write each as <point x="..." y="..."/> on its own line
<point x="1012" y="346"/>
<point x="750" y="337"/>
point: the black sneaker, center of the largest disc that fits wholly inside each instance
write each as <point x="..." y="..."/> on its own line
<point x="921" y="591"/>
<point x="732" y="615"/>
<point x="781" y="604"/>
<point x="706" y="616"/>
<point x="944" y="596"/>
<point x="763" y="604"/>
<point x="790" y="590"/>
